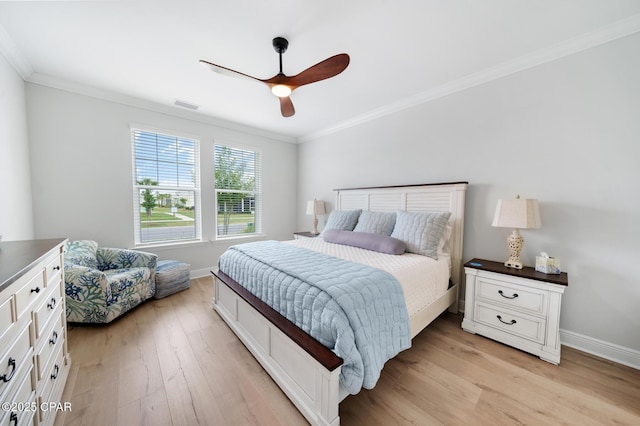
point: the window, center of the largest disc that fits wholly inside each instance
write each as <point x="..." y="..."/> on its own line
<point x="166" y="188"/>
<point x="237" y="183"/>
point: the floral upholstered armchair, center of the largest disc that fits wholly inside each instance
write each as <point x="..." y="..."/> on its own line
<point x="103" y="283"/>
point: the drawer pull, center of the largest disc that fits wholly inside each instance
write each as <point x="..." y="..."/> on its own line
<point x="52" y="304"/>
<point x="35" y="290"/>
<point x="56" y="370"/>
<point x="56" y="268"/>
<point x="13" y="418"/>
<point x="504" y="322"/>
<point x="54" y="339"/>
<point x="507" y="297"/>
<point x="12" y="364"/>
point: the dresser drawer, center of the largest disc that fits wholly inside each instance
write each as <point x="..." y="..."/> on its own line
<point x="45" y="311"/>
<point x="11" y="362"/>
<point x="52" y="386"/>
<point x="7" y="319"/>
<point x="30" y="293"/>
<point x="23" y="401"/>
<point x="52" y="337"/>
<point x="53" y="270"/>
<point x="511" y="322"/>
<point x="510" y="295"/>
<point x="53" y="372"/>
<point x="26" y="418"/>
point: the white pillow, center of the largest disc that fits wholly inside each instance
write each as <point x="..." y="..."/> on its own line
<point x="443" y="245"/>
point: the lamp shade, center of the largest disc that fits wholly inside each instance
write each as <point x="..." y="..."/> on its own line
<point x="315" y="207"/>
<point x="518" y="213"/>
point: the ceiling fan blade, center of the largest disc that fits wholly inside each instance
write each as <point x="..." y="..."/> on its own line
<point x="286" y="107"/>
<point x="227" y="71"/>
<point x="322" y="70"/>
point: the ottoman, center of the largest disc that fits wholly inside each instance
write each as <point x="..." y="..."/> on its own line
<point x="172" y="276"/>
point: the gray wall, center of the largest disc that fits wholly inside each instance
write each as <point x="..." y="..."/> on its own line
<point x="16" y="220"/>
<point x="566" y="132"/>
<point x="82" y="172"/>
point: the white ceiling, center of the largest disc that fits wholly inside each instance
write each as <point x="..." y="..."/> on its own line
<point x="402" y="52"/>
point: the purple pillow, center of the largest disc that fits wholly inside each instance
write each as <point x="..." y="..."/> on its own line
<point x="365" y="240"/>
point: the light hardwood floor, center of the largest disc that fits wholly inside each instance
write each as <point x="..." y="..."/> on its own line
<point x="173" y="361"/>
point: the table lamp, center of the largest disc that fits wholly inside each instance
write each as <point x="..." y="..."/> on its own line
<point x="315" y="208"/>
<point x="518" y="214"/>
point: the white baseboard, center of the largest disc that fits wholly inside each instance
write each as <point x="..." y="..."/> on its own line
<point x="204" y="272"/>
<point x="611" y="351"/>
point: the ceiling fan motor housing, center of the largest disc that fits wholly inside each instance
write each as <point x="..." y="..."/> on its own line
<point x="280" y="44"/>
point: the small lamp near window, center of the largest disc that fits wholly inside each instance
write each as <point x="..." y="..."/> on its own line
<point x="315" y="208"/>
<point x="518" y="214"/>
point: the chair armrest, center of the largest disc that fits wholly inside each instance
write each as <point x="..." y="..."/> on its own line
<point x="117" y="258"/>
<point x="88" y="282"/>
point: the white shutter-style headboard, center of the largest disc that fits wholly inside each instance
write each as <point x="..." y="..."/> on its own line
<point x="415" y="198"/>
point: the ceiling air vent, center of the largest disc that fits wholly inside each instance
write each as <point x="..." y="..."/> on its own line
<point x="184" y="104"/>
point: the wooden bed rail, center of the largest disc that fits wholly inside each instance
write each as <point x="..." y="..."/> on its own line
<point x="319" y="352"/>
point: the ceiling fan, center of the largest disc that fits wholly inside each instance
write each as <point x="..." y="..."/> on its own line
<point x="282" y="85"/>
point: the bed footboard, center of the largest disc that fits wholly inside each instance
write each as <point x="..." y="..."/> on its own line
<point x="304" y="369"/>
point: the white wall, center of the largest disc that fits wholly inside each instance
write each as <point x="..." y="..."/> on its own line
<point x="82" y="172"/>
<point x="16" y="219"/>
<point x="566" y="133"/>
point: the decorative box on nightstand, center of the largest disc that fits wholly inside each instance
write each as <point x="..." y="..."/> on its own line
<point x="518" y="307"/>
<point x="298" y="235"/>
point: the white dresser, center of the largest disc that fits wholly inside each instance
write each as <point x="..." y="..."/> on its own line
<point x="518" y="307"/>
<point x="34" y="362"/>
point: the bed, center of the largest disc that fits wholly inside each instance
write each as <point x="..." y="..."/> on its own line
<point x="307" y="371"/>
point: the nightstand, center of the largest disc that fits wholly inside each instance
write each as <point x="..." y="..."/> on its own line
<point x="518" y="307"/>
<point x="298" y="235"/>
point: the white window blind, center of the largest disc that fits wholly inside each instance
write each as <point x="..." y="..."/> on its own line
<point x="238" y="191"/>
<point x="166" y="188"/>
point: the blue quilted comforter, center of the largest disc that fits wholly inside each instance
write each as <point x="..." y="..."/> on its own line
<point x="357" y="311"/>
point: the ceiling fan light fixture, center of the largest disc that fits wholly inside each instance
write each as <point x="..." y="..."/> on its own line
<point x="282" y="85"/>
<point x="281" y="90"/>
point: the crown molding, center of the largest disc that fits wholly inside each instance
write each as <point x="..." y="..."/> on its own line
<point x="68" y="86"/>
<point x="617" y="30"/>
<point x="9" y="49"/>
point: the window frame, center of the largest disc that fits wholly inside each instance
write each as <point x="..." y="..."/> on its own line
<point x="196" y="189"/>
<point x="257" y="192"/>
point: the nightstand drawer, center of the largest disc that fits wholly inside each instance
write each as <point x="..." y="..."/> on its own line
<point x="511" y="295"/>
<point x="511" y="322"/>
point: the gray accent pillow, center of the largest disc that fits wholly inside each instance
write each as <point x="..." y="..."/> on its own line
<point x="365" y="240"/>
<point x="421" y="232"/>
<point x="342" y="219"/>
<point x="376" y="222"/>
